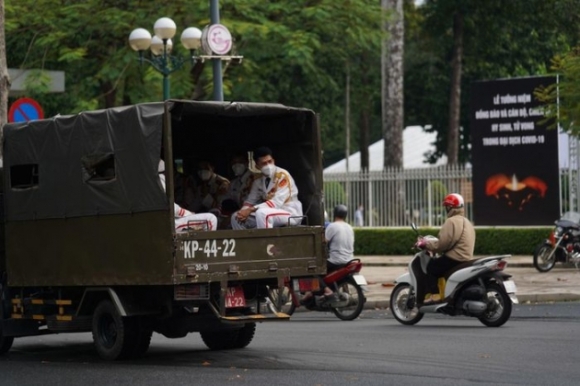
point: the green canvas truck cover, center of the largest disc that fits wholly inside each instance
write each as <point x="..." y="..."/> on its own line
<point x="82" y="199"/>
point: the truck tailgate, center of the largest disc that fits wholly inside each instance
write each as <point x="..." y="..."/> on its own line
<point x="202" y="256"/>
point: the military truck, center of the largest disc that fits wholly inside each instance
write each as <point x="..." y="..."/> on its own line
<point x="88" y="241"/>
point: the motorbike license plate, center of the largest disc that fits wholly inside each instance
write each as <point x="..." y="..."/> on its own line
<point x="510" y="286"/>
<point x="307" y="284"/>
<point x="359" y="279"/>
<point x="235" y="297"/>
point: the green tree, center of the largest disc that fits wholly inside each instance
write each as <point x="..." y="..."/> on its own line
<point x="500" y="39"/>
<point x="294" y="53"/>
<point x="562" y="100"/>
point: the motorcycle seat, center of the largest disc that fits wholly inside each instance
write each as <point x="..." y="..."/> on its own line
<point x="352" y="266"/>
<point x="458" y="267"/>
<point x="471" y="263"/>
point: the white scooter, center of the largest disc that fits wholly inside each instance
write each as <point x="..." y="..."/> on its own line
<point x="477" y="288"/>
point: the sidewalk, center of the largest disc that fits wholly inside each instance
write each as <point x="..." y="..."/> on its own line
<point x="559" y="285"/>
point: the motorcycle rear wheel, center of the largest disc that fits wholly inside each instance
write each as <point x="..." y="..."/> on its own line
<point x="356" y="300"/>
<point x="399" y="308"/>
<point x="541" y="261"/>
<point x="499" y="306"/>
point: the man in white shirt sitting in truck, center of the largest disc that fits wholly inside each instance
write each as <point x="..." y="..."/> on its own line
<point x="273" y="199"/>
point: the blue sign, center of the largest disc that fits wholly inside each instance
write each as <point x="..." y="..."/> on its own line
<point x="24" y="110"/>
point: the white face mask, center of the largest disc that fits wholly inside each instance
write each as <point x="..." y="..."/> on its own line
<point x="268" y="170"/>
<point x="204" y="175"/>
<point x="238" y="169"/>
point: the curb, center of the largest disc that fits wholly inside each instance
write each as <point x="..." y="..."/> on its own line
<point x="524" y="298"/>
<point x="395" y="264"/>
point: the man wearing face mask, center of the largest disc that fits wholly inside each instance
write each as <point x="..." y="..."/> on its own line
<point x="240" y="185"/>
<point x="211" y="189"/>
<point x="273" y="199"/>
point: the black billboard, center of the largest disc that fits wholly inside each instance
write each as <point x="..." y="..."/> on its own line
<point x="514" y="155"/>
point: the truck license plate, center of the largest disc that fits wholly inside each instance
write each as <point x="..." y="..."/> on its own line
<point x="235" y="297"/>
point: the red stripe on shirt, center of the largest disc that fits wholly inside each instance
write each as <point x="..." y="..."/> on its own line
<point x="275" y="214"/>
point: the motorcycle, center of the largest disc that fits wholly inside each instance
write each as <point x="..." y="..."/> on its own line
<point x="477" y="288"/>
<point x="563" y="244"/>
<point x="346" y="282"/>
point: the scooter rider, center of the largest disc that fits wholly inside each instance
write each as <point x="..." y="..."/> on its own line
<point x="340" y="239"/>
<point x="455" y="243"/>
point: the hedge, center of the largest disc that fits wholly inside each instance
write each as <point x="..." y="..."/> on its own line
<point x="489" y="241"/>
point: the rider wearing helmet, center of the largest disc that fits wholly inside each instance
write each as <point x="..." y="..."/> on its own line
<point x="455" y="243"/>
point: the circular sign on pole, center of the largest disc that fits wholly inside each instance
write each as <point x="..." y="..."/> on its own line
<point x="216" y="39"/>
<point x="24" y="110"/>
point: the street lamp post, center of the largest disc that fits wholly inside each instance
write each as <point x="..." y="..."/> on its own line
<point x="161" y="46"/>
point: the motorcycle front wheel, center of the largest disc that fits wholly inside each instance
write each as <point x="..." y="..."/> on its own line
<point x="543" y="262"/>
<point x="280" y="300"/>
<point x="400" y="301"/>
<point x="356" y="300"/>
<point x="499" y="306"/>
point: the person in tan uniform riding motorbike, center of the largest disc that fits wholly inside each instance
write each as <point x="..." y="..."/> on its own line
<point x="455" y="242"/>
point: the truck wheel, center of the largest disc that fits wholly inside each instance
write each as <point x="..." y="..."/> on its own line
<point x="245" y="335"/>
<point x="6" y="342"/>
<point x="143" y="340"/>
<point x="220" y="340"/>
<point x="114" y="336"/>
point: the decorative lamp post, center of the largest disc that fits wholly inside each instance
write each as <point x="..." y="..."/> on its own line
<point x="161" y="46"/>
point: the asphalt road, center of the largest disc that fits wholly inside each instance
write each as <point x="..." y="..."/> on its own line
<point x="538" y="346"/>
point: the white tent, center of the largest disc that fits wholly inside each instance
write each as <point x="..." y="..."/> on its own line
<point x="416" y="142"/>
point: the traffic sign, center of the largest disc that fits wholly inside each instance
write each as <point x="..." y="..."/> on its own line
<point x="24" y="110"/>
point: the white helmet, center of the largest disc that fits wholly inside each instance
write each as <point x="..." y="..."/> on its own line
<point x="161" y="166"/>
<point x="453" y="200"/>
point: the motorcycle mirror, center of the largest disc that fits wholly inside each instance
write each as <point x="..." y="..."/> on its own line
<point x="414" y="227"/>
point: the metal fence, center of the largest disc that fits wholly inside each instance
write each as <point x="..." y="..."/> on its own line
<point x="397" y="197"/>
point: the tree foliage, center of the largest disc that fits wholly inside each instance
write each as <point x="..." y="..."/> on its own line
<point x="562" y="99"/>
<point x="294" y="53"/>
<point x="501" y="39"/>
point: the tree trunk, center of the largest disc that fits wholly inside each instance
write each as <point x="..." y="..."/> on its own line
<point x="392" y="84"/>
<point x="109" y="94"/>
<point x="455" y="93"/>
<point x="392" y="105"/>
<point x="199" y="85"/>
<point x="4" y="78"/>
<point x="365" y="114"/>
<point x="364" y="131"/>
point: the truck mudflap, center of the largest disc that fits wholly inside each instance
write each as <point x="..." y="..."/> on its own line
<point x="204" y="257"/>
